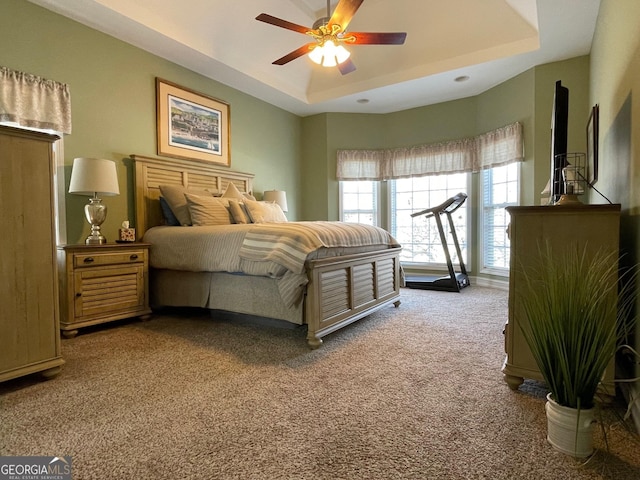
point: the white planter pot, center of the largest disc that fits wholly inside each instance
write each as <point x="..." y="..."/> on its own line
<point x="562" y="423"/>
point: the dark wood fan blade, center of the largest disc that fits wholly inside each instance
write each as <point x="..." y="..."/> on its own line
<point x="278" y="22"/>
<point x="346" y="67"/>
<point x="303" y="50"/>
<point x="377" y="38"/>
<point x="344" y="12"/>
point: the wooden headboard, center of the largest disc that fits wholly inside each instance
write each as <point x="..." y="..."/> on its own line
<point x="150" y="173"/>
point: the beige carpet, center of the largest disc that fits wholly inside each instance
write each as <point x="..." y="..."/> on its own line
<point x="408" y="393"/>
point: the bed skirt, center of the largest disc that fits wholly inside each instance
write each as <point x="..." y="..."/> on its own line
<point x="246" y="294"/>
<point x="340" y="291"/>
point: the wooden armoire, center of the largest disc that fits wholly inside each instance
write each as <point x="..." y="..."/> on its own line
<point x="29" y="312"/>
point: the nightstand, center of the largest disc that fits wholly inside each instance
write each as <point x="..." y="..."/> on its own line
<point x="101" y="283"/>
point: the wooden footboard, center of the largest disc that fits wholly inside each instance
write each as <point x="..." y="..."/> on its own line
<point x="344" y="289"/>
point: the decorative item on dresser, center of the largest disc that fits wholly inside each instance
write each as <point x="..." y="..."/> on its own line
<point x="574" y="182"/>
<point x="29" y="318"/>
<point x="101" y="283"/>
<point x="592" y="227"/>
<point x="336" y="287"/>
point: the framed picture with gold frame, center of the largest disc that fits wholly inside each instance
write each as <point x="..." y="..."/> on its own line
<point x="192" y="125"/>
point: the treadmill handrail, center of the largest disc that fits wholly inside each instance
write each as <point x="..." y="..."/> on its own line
<point x="457" y="200"/>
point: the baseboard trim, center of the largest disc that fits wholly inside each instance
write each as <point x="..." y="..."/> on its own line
<point x="490" y="282"/>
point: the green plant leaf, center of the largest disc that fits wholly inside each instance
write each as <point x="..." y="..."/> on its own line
<point x="575" y="320"/>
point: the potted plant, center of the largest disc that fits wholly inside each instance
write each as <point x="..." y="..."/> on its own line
<point x="575" y="322"/>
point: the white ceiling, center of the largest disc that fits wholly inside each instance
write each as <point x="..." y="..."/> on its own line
<point x="489" y="41"/>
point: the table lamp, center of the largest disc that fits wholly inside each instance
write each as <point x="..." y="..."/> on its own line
<point x="93" y="177"/>
<point x="276" y="196"/>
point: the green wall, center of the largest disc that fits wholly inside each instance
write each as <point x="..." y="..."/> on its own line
<point x="322" y="135"/>
<point x="314" y="168"/>
<point x="513" y="101"/>
<point x="113" y="107"/>
<point x="615" y="87"/>
<point x="526" y="98"/>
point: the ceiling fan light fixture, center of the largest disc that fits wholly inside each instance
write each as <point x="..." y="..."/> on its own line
<point x="342" y="54"/>
<point x="329" y="54"/>
<point x="328" y="35"/>
<point x="316" y="54"/>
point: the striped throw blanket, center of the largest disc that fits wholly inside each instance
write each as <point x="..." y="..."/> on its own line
<point x="276" y="250"/>
<point x="289" y="244"/>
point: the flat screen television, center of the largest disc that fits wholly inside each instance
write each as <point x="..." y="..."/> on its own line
<point x="559" y="130"/>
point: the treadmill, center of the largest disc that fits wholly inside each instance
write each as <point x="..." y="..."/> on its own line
<point x="454" y="281"/>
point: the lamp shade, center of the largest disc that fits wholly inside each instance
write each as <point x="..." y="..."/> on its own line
<point x="277" y="196"/>
<point x="90" y="176"/>
<point x="329" y="54"/>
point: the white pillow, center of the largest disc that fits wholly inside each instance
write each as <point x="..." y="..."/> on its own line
<point x="264" y="212"/>
<point x="207" y="210"/>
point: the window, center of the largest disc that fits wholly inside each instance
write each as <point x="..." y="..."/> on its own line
<point x="419" y="236"/>
<point x="359" y="202"/>
<point x="422" y="176"/>
<point x="500" y="186"/>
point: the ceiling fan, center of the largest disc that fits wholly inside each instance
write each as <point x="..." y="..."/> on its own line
<point x="329" y="34"/>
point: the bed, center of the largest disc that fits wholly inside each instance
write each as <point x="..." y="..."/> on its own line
<point x="341" y="285"/>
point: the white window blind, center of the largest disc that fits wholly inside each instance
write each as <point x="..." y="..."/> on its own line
<point x="359" y="202"/>
<point x="419" y="236"/>
<point x="500" y="186"/>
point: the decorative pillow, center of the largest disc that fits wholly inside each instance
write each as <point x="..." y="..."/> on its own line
<point x="167" y="214"/>
<point x="174" y="195"/>
<point x="207" y="210"/>
<point x="249" y="196"/>
<point x="238" y="212"/>
<point x="264" y="212"/>
<point x="232" y="192"/>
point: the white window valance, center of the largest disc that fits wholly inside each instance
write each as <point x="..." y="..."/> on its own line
<point x="492" y="149"/>
<point x="360" y="164"/>
<point x="34" y="102"/>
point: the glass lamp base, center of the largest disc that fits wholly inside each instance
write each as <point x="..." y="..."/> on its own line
<point x="96" y="213"/>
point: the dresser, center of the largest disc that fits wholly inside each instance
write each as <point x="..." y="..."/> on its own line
<point x="596" y="226"/>
<point x="102" y="283"/>
<point x="29" y="315"/>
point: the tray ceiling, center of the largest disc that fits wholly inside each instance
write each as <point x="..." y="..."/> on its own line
<point x="488" y="41"/>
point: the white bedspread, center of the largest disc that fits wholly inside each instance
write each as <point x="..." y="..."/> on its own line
<point x="277" y="250"/>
